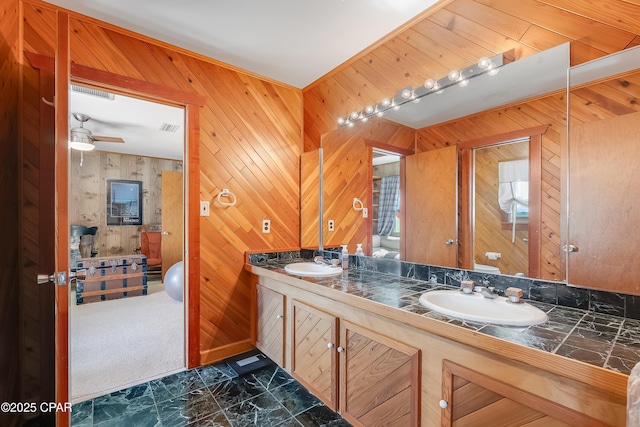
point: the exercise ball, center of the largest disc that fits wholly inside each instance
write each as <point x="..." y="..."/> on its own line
<point x="174" y="281"/>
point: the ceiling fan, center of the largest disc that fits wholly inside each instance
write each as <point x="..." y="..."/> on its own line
<point x="82" y="139"/>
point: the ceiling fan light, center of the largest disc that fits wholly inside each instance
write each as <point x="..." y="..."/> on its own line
<point x="81" y="146"/>
<point x="80" y="140"/>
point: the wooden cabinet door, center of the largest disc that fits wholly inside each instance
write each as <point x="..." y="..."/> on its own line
<point x="270" y="324"/>
<point x="380" y="379"/>
<point x="603" y="204"/>
<point x="313" y="358"/>
<point x="475" y="399"/>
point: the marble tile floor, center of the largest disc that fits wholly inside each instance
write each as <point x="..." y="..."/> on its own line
<point x="210" y="396"/>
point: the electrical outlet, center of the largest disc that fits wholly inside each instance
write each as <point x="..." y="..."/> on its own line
<point x="266" y="226"/>
<point x="331" y="225"/>
<point x="365" y="212"/>
<point x="204" y="208"/>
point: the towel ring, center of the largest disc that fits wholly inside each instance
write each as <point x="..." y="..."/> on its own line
<point x="226" y="193"/>
<point x="357" y="204"/>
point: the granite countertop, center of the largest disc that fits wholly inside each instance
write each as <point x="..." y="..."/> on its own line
<point x="602" y="340"/>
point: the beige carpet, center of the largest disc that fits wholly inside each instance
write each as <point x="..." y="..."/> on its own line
<point x="119" y="343"/>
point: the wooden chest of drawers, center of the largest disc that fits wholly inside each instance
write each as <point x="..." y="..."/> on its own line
<point x="110" y="278"/>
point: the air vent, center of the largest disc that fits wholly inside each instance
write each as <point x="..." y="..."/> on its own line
<point x="93" y="92"/>
<point x="166" y="127"/>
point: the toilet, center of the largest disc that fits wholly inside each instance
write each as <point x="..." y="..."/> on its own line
<point x="481" y="268"/>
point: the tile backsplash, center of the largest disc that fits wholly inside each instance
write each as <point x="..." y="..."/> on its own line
<point x="537" y="290"/>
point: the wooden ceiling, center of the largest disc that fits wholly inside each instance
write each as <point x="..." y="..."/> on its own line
<point x="454" y="36"/>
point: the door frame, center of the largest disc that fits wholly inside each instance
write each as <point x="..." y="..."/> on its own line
<point x="65" y="72"/>
<point x="467" y="225"/>
<point x="402" y="153"/>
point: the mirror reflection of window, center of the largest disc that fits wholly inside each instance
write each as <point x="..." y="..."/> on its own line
<point x="501" y="205"/>
<point x="513" y="191"/>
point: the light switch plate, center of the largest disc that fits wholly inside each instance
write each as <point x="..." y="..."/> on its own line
<point x="204" y="208"/>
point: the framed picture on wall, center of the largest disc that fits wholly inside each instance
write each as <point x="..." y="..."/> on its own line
<point x="124" y="202"/>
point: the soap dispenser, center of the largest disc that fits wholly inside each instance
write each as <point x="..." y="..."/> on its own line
<point x="345" y="257"/>
<point x="359" y="251"/>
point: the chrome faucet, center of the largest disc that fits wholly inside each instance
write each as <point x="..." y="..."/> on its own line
<point x="330" y="262"/>
<point x="488" y="292"/>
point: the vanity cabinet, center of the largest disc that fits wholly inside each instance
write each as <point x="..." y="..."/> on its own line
<point x="373" y="380"/>
<point x="270" y="323"/>
<point x="379" y="379"/>
<point x="314" y="338"/>
<point x="474" y="399"/>
<point x="378" y="365"/>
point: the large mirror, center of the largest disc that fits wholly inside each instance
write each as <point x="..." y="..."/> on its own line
<point x="433" y="217"/>
<point x="603" y="173"/>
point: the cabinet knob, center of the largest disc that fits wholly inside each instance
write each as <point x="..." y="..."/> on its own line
<point x="279" y="316"/>
<point x="340" y="349"/>
<point x="444" y="404"/>
<point x="329" y="345"/>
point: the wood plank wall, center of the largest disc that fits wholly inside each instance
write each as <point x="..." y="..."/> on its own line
<point x="549" y="110"/>
<point x="251" y="140"/>
<point x="347" y="171"/>
<point x="87" y="195"/>
<point x="309" y="199"/>
<point x="9" y="274"/>
<point x="455" y="36"/>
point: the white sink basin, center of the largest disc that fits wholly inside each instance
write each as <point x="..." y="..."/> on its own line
<point x="312" y="269"/>
<point x="476" y="308"/>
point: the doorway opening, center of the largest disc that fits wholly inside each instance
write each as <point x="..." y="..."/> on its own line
<point x="386" y="212"/>
<point x="126" y="326"/>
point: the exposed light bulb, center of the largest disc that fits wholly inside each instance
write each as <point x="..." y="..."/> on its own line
<point x="406" y="94"/>
<point x="440" y="92"/>
<point x="340" y="121"/>
<point x="464" y="83"/>
<point x="386" y="102"/>
<point x="350" y="124"/>
<point x="380" y="114"/>
<point x="416" y="100"/>
<point x="493" y="71"/>
<point x="454" y="75"/>
<point x="396" y="107"/>
<point x="429" y="84"/>
<point x="354" y="115"/>
<point x="364" y="119"/>
<point x="369" y="109"/>
<point x="484" y="63"/>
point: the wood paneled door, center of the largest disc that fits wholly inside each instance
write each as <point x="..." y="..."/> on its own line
<point x="432" y="198"/>
<point x="379" y="379"/>
<point x="602" y="221"/>
<point x="172" y="219"/>
<point x="313" y="353"/>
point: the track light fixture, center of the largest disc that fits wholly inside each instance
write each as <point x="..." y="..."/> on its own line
<point x="485" y="65"/>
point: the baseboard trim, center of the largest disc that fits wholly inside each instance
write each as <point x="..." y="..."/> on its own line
<point x="217" y="354"/>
